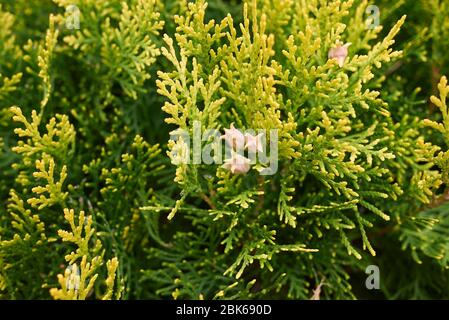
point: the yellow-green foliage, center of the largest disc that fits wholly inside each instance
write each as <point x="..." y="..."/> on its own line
<point x="46" y="168"/>
<point x="98" y="204"/>
<point x="123" y="40"/>
<point x="77" y="284"/>
<point x="44" y="60"/>
<point x="442" y="158"/>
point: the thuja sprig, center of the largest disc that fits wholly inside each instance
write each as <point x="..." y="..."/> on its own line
<point x="80" y="234"/>
<point x="425" y="235"/>
<point x="77" y="284"/>
<point x="442" y="158"/>
<point x="52" y="192"/>
<point x="28" y="227"/>
<point x="8" y="85"/>
<point x="133" y="36"/>
<point x="440" y="102"/>
<point x="112" y="266"/>
<point x="200" y="90"/>
<point x="57" y="142"/>
<point x="44" y="61"/>
<point x="122" y="38"/>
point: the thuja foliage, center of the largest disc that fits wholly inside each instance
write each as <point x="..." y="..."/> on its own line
<point x="96" y="204"/>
